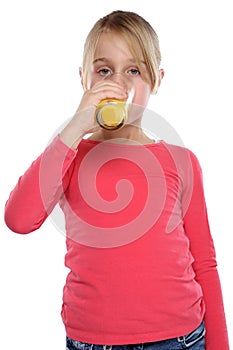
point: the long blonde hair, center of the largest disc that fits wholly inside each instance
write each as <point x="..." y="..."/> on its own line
<point x="140" y="36"/>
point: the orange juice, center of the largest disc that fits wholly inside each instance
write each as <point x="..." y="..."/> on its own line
<point x="111" y="114"/>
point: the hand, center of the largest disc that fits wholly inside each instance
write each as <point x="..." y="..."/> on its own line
<point x="99" y="91"/>
<point x="84" y="121"/>
<point x="92" y="97"/>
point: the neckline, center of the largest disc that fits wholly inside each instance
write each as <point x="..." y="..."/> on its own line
<point x="134" y="144"/>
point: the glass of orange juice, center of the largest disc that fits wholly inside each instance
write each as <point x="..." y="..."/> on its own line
<point x="111" y="114"/>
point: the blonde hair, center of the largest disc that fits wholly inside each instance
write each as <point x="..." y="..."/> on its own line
<point x="142" y="40"/>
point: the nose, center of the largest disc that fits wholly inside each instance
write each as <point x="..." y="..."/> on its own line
<point x="119" y="79"/>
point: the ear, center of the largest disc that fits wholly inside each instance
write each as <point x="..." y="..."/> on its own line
<point x="161" y="75"/>
<point x="81" y="75"/>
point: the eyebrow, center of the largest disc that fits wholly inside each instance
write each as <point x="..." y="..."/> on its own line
<point x="101" y="59"/>
<point x="106" y="60"/>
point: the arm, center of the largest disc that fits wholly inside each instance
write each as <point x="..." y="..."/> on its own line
<point x="205" y="265"/>
<point x="39" y="189"/>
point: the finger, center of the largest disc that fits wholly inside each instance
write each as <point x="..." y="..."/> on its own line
<point x="100" y="93"/>
<point x="111" y="86"/>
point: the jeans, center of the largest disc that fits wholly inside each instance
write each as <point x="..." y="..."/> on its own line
<point x="193" y="341"/>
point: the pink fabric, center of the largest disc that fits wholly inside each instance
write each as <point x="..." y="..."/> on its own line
<point x="139" y="249"/>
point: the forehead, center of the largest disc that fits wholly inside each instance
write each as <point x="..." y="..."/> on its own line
<point x="116" y="45"/>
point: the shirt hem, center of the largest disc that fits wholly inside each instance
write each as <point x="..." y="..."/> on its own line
<point x="131" y="338"/>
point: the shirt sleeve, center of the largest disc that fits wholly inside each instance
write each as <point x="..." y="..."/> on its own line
<point x="39" y="189"/>
<point x="205" y="266"/>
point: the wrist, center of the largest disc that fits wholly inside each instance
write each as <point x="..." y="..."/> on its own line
<point x="71" y="136"/>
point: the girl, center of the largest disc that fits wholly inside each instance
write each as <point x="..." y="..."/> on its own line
<point x="141" y="258"/>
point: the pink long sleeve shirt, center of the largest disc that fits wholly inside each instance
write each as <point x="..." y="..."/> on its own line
<point x="139" y="249"/>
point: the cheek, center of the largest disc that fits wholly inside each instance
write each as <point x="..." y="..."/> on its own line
<point x="142" y="95"/>
<point x="92" y="79"/>
<point x="90" y="82"/>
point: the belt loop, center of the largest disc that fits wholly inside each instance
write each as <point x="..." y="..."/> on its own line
<point x="180" y="339"/>
<point x="107" y="347"/>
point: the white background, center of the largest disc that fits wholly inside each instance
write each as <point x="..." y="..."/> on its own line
<point x="41" y="50"/>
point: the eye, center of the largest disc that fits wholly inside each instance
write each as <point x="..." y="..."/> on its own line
<point x="104" y="71"/>
<point x="134" y="71"/>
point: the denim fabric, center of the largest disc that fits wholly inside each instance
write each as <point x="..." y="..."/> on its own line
<point x="193" y="341"/>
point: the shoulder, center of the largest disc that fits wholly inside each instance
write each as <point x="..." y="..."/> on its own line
<point x="180" y="152"/>
<point x="185" y="159"/>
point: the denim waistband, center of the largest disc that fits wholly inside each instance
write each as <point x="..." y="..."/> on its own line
<point x="196" y="339"/>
